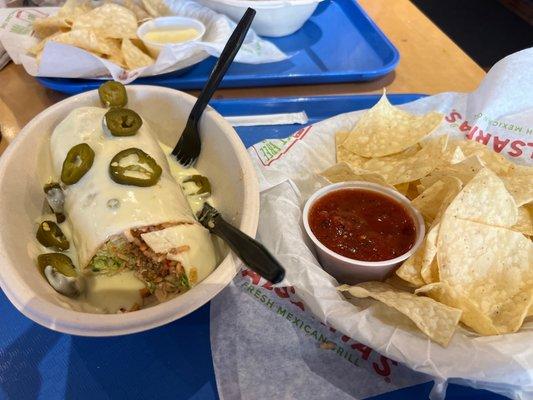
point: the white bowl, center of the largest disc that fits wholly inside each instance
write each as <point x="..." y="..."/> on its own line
<point x="25" y="166"/>
<point x="274" y="18"/>
<point x="348" y="270"/>
<point x="154" y="48"/>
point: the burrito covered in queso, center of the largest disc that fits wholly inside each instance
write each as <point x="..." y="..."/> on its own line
<point x="133" y="234"/>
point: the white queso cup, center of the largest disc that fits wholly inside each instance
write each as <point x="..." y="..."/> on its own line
<point x="348" y="270"/>
<point x="154" y="48"/>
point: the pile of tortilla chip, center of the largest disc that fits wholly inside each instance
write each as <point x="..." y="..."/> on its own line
<point x="476" y="262"/>
<point x="108" y="31"/>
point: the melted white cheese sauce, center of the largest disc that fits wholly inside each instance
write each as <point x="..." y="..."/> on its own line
<point x="181" y="174"/>
<point x="112" y="293"/>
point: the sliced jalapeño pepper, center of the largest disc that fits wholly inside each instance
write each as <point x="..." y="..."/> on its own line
<point x="202" y="182"/>
<point x="79" y="160"/>
<point x="135" y="174"/>
<point x="55" y="199"/>
<point x="50" y="234"/>
<point x="122" y="122"/>
<point x="60" y="262"/>
<point x="113" y="94"/>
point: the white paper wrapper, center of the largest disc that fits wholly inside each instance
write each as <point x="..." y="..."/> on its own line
<point x="265" y="346"/>
<point x="268" y="119"/>
<point x="500" y="114"/>
<point x="64" y="61"/>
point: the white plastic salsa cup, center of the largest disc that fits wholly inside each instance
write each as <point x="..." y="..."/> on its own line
<point x="351" y="271"/>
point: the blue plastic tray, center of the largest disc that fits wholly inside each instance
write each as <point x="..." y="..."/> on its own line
<point x="340" y="43"/>
<point x="171" y="362"/>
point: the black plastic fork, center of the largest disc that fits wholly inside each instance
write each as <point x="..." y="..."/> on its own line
<point x="254" y="255"/>
<point x="189" y="145"/>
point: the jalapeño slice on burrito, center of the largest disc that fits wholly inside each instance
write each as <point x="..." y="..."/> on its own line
<point x="127" y="213"/>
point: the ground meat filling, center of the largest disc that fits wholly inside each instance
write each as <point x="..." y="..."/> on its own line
<point x="168" y="276"/>
<point x="163" y="277"/>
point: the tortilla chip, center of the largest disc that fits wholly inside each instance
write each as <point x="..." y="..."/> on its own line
<point x="516" y="178"/>
<point x="524" y="223"/>
<point x="412" y="191"/>
<point x="44" y="27"/>
<point x="486" y="200"/>
<point x="520" y="186"/>
<point x="454" y="154"/>
<point x="410" y="270"/>
<point x="140" y="12"/>
<point x="37" y="49"/>
<point x="489" y="265"/>
<point x="508" y="318"/>
<point x="74" y="8"/>
<point x="463" y="170"/>
<point x="471" y="316"/>
<point x="398" y="283"/>
<point x="441" y="193"/>
<point x="398" y="169"/>
<point x="429" y="269"/>
<point x="134" y="57"/>
<point x="343" y="172"/>
<point x="412" y="150"/>
<point x="421" y="268"/>
<point x="340" y="137"/>
<point x="156" y="8"/>
<point x="385" y="129"/>
<point x="88" y="40"/>
<point x="345" y="155"/>
<point x="434" y="319"/>
<point x="140" y="45"/>
<point x="62" y="21"/>
<point x="109" y="21"/>
<point x="402" y="188"/>
<point x="491" y="159"/>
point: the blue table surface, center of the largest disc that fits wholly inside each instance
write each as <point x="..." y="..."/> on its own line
<point x="170" y="362"/>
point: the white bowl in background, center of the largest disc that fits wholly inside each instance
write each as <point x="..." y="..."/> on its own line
<point x="25" y="166"/>
<point x="274" y="18"/>
<point x="154" y="48"/>
<point x="348" y="270"/>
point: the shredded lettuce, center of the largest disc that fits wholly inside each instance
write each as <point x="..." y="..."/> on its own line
<point x="151" y="287"/>
<point x="106" y="264"/>
<point x="107" y="260"/>
<point x="184" y="281"/>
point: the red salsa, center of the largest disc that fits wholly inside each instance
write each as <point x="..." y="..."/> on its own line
<point x="362" y="225"/>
